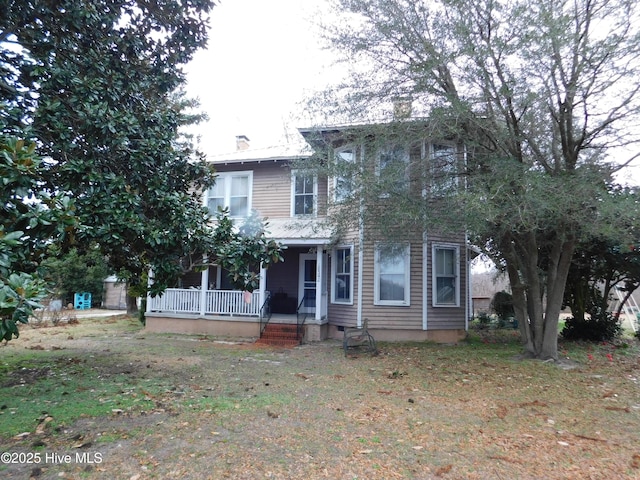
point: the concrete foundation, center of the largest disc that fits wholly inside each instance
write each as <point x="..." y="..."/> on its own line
<point x="249" y="328"/>
<point x="246" y="328"/>
<point x="436" y="336"/>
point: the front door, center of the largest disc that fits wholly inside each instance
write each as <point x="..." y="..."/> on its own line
<point x="307" y="284"/>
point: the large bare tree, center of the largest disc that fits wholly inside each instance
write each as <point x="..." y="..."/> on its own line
<point x="543" y="94"/>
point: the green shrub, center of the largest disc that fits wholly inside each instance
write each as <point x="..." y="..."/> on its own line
<point x="602" y="326"/>
<point x="483" y="320"/>
<point x="502" y="305"/>
<point x="77" y="272"/>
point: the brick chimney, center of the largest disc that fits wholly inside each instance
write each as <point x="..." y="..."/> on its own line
<point x="402" y="108"/>
<point x="242" y="142"/>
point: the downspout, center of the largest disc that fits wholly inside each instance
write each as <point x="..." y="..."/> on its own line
<point x="425" y="281"/>
<point x="469" y="309"/>
<point x="360" y="251"/>
<point x="360" y="261"/>
<point x="469" y="302"/>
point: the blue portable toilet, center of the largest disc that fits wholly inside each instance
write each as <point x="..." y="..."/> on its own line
<point x="82" y="301"/>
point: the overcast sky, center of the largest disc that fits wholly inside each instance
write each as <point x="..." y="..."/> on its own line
<point x="263" y="58"/>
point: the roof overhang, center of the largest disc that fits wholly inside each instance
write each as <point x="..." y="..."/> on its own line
<point x="294" y="231"/>
<point x="263" y="155"/>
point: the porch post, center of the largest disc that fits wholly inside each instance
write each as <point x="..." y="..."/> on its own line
<point x="319" y="283"/>
<point x="262" y="288"/>
<point x="204" y="286"/>
<point x="149" y="283"/>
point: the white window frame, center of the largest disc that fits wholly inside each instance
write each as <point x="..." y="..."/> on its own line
<point x="345" y="179"/>
<point x="435" y="274"/>
<point x="335" y="273"/>
<point x="226" y="178"/>
<point x="405" y="158"/>
<point x="405" y="302"/>
<point x="294" y="174"/>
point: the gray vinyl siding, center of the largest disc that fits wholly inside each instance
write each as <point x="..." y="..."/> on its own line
<point x="446" y="318"/>
<point x="271" y="195"/>
<point x="341" y="314"/>
<point x="272" y="189"/>
<point x="404" y="317"/>
<point x="393" y="317"/>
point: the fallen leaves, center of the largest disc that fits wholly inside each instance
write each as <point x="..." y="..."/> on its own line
<point x="504" y="458"/>
<point x="501" y="412"/>
<point x="534" y="403"/>
<point x="618" y="409"/>
<point x="42" y="424"/>
<point x="443" y="470"/>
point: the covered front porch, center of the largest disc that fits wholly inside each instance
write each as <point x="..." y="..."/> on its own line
<point x="290" y="292"/>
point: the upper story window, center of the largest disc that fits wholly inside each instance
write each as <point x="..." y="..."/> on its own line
<point x="391" y="272"/>
<point x="443" y="168"/>
<point x="393" y="168"/>
<point x="446" y="276"/>
<point x="232" y="190"/>
<point x="344" y="185"/>
<point x="304" y="192"/>
<point x="342" y="275"/>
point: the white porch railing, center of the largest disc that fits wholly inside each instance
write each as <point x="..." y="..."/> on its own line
<point x="217" y="302"/>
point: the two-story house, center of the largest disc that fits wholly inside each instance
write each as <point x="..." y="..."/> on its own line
<point x="414" y="286"/>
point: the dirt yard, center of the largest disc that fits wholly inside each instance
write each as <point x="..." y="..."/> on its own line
<point x="196" y="408"/>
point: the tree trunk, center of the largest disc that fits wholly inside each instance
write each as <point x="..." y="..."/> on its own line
<point x="520" y="308"/>
<point x="557" y="272"/>
<point x="538" y="308"/>
<point x="132" y="305"/>
<point x="535" y="293"/>
<point x="519" y="293"/>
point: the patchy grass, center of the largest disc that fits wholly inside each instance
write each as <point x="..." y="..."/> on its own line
<point x="169" y="406"/>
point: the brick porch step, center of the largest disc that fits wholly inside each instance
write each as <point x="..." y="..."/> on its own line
<point x="280" y="335"/>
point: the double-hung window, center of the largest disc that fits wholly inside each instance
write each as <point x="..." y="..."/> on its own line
<point x="446" y="276"/>
<point x="342" y="275"/>
<point x="393" y="168"/>
<point x="444" y="169"/>
<point x="343" y="187"/>
<point x="304" y="192"/>
<point x="232" y="190"/>
<point x="391" y="274"/>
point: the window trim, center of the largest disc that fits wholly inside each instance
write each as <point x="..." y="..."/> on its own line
<point x="334" y="272"/>
<point x="434" y="274"/>
<point x="406" y="157"/>
<point x="444" y="186"/>
<point x="407" y="276"/>
<point x="294" y="174"/>
<point x="227" y="176"/>
<point x="350" y="147"/>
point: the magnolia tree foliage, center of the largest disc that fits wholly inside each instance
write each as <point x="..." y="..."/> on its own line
<point x="97" y="84"/>
<point x="540" y="94"/>
<point x="242" y="251"/>
<point x="30" y="219"/>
